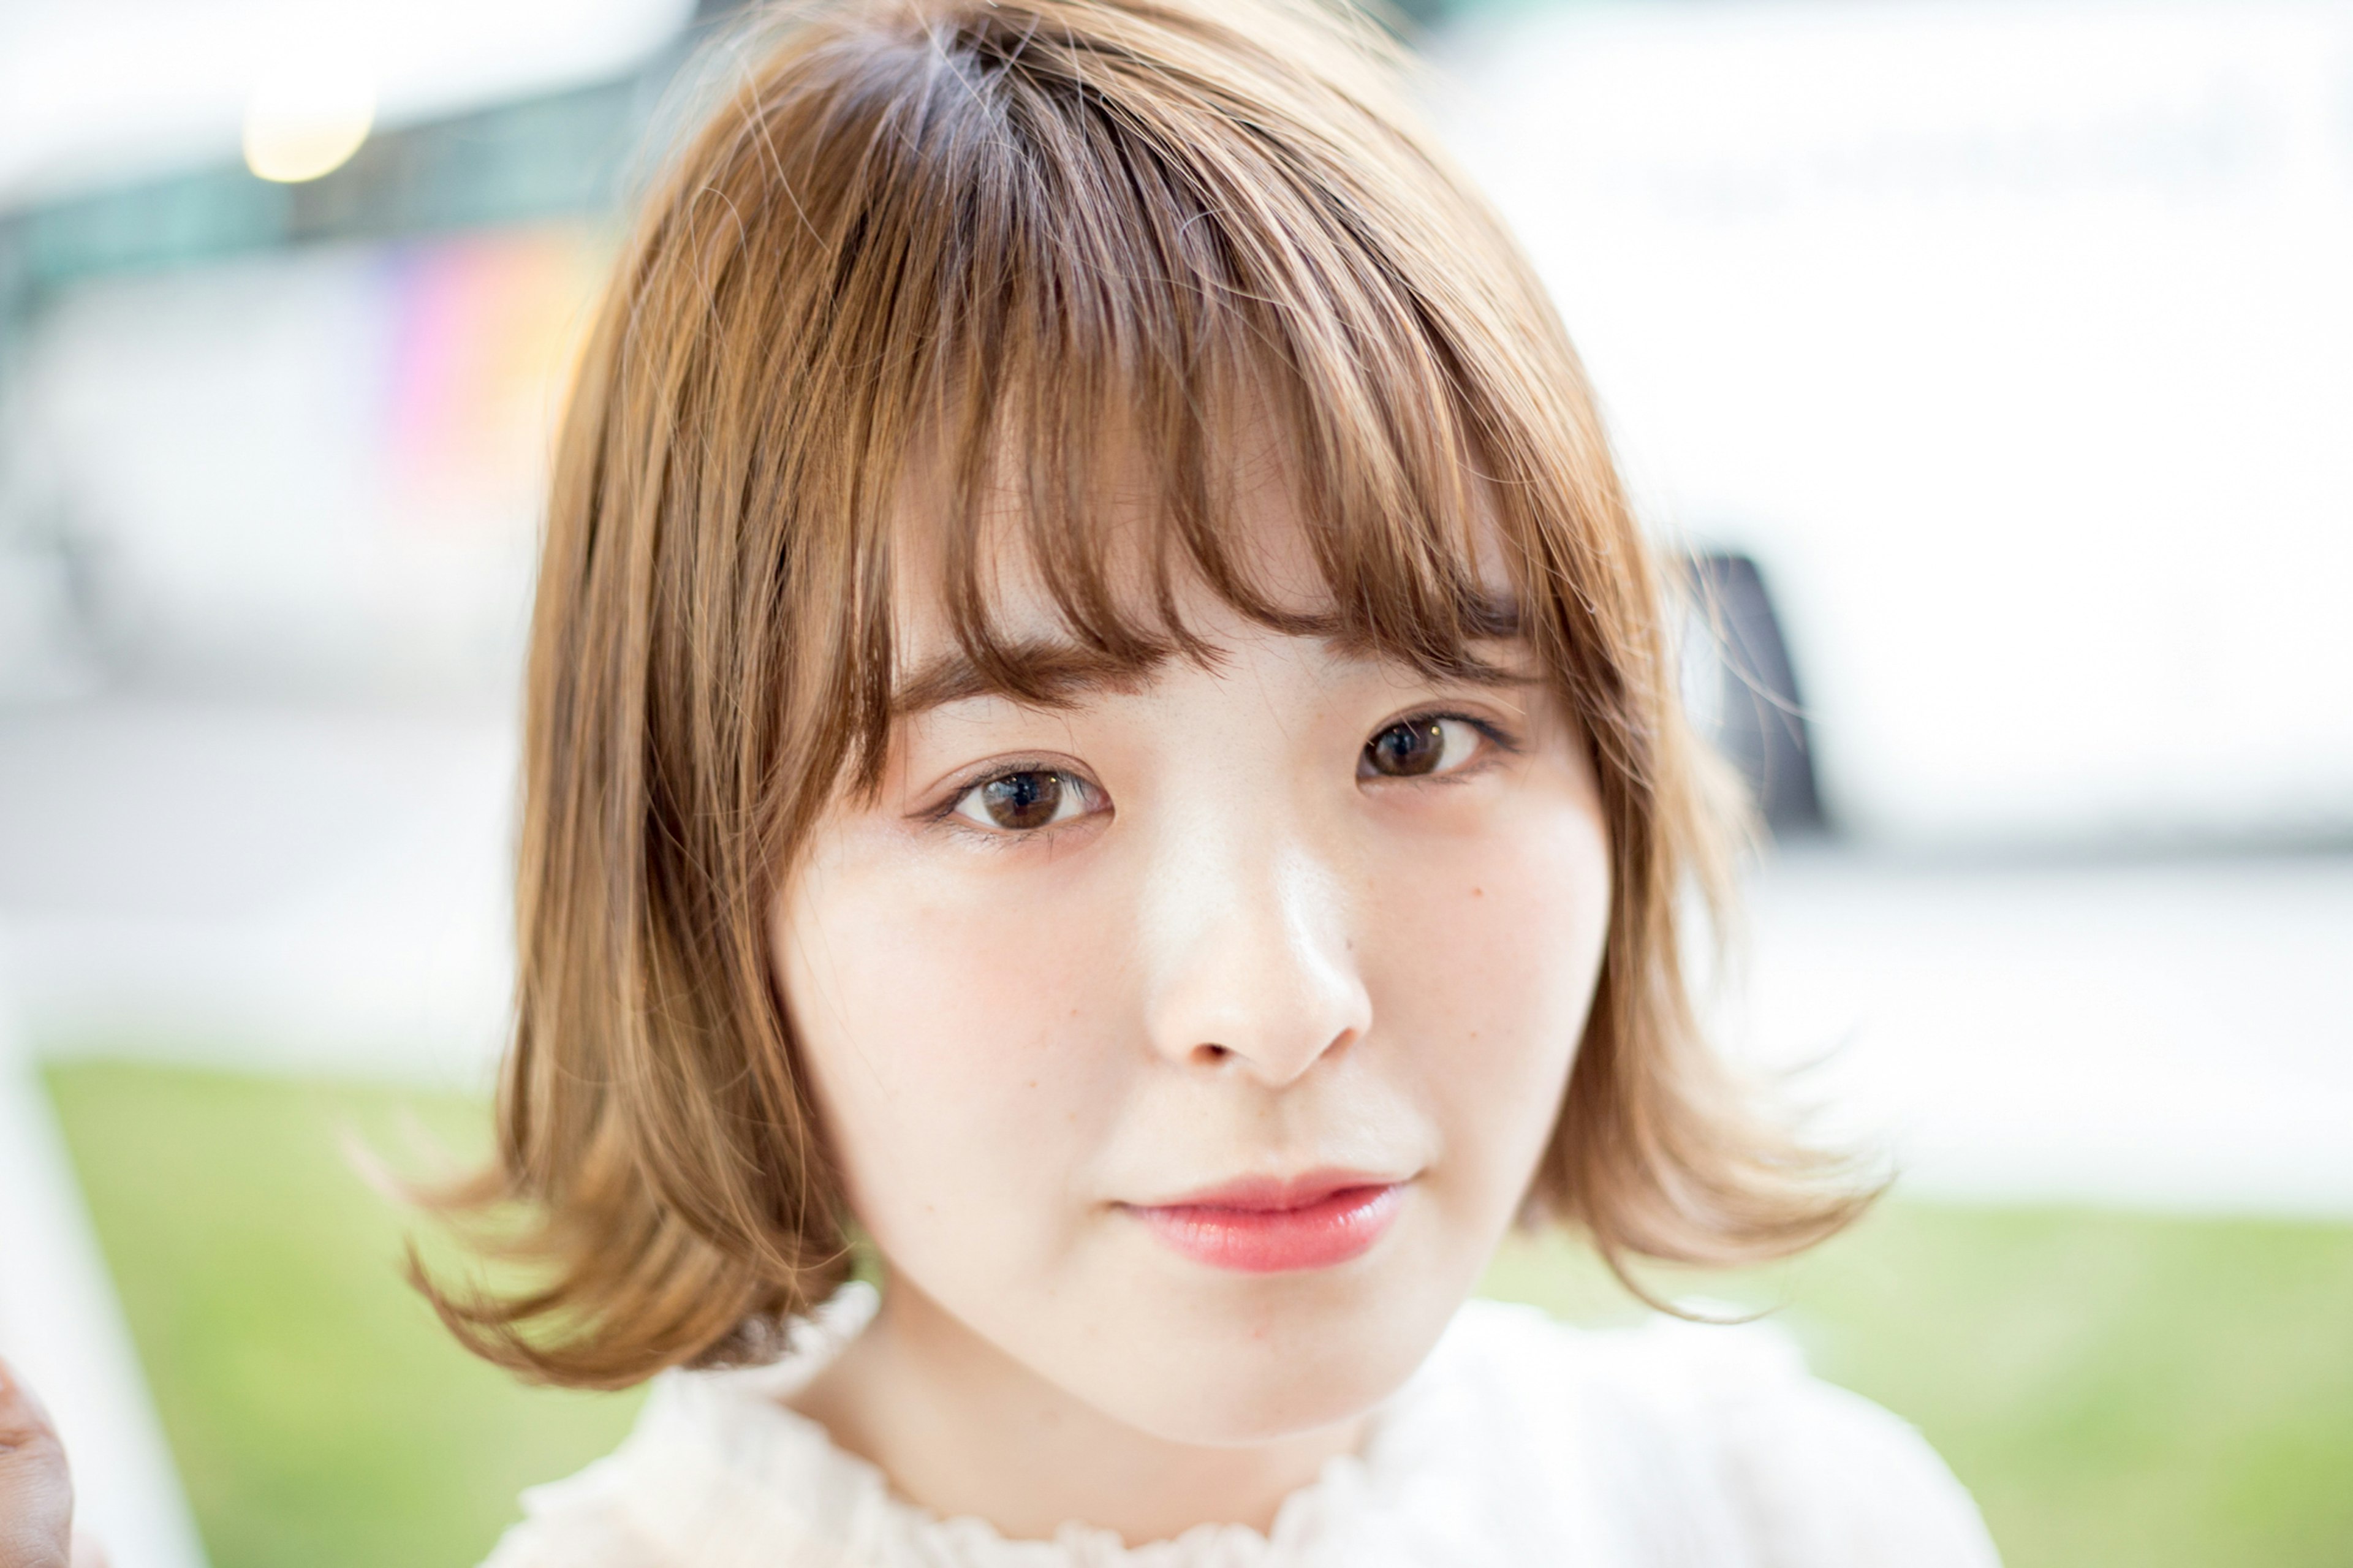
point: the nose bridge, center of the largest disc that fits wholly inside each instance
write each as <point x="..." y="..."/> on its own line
<point x="1250" y="954"/>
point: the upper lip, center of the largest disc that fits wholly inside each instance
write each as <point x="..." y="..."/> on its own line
<point x="1272" y="1194"/>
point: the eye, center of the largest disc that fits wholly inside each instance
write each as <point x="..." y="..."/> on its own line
<point x="1415" y="748"/>
<point x="1023" y="800"/>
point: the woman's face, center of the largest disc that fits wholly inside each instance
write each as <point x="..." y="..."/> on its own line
<point x="1193" y="1043"/>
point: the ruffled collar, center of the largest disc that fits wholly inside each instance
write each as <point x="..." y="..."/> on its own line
<point x="730" y="1448"/>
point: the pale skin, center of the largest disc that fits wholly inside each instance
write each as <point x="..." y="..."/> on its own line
<point x="1294" y="909"/>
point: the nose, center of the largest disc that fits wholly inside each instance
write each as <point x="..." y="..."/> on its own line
<point x="1249" y="956"/>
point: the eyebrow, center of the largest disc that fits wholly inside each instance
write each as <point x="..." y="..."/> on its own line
<point x="1037" y="673"/>
<point x="1044" y="673"/>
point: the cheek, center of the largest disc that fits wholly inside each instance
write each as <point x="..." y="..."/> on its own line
<point x="1485" y="975"/>
<point x="937" y="1028"/>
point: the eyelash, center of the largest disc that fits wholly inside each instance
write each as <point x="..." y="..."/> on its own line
<point x="1494" y="733"/>
<point x="947" y="815"/>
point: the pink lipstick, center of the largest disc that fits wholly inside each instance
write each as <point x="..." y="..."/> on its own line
<point x="1315" y="1221"/>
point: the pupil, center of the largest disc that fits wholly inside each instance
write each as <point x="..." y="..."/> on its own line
<point x="1409" y="749"/>
<point x="1023" y="800"/>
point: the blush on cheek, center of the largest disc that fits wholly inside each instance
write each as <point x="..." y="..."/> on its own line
<point x="1522" y="918"/>
<point x="957" y="1045"/>
<point x="1484" y="973"/>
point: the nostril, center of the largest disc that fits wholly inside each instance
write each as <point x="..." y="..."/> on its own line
<point x="1212" y="1053"/>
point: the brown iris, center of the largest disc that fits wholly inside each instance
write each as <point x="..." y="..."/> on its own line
<point x="1022" y="800"/>
<point x="1404" y="749"/>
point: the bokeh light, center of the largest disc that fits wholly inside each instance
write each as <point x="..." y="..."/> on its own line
<point x="308" y="113"/>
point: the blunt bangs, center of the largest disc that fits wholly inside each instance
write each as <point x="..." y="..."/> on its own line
<point x="1064" y="283"/>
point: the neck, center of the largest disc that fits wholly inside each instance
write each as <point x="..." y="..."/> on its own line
<point x="960" y="1428"/>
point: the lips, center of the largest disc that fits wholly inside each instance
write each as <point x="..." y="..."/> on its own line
<point x="1275" y="1227"/>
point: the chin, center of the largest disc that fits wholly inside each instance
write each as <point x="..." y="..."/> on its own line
<point x="1269" y="1361"/>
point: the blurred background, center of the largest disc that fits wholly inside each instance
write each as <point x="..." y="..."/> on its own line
<point x="1990" y="364"/>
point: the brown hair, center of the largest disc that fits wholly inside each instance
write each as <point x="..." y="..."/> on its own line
<point x="921" y="234"/>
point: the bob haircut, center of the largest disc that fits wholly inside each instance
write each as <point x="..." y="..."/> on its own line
<point x="1115" y="237"/>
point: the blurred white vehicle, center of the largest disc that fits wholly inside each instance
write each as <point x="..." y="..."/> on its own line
<point x="2014" y="344"/>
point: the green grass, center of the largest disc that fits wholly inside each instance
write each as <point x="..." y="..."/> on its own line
<point x="2116" y="1390"/>
<point x="319" y="1412"/>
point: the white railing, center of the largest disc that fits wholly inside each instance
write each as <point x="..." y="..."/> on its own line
<point x="63" y="1331"/>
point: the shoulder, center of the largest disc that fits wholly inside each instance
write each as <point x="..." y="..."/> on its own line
<point x="1706" y="1443"/>
<point x="582" y="1521"/>
<point x="613" y="1514"/>
<point x="717" y="1473"/>
<point x="587" y="1534"/>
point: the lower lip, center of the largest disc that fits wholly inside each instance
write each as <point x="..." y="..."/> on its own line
<point x="1330" y="1231"/>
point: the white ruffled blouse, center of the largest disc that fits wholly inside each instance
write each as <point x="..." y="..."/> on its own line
<point x="1518" y="1441"/>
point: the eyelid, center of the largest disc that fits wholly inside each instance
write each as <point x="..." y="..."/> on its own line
<point x="1492" y="729"/>
<point x="944" y="812"/>
<point x="1489" y="730"/>
<point x="970" y="777"/>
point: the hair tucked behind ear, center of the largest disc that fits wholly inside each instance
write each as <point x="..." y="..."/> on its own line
<point x="927" y="233"/>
